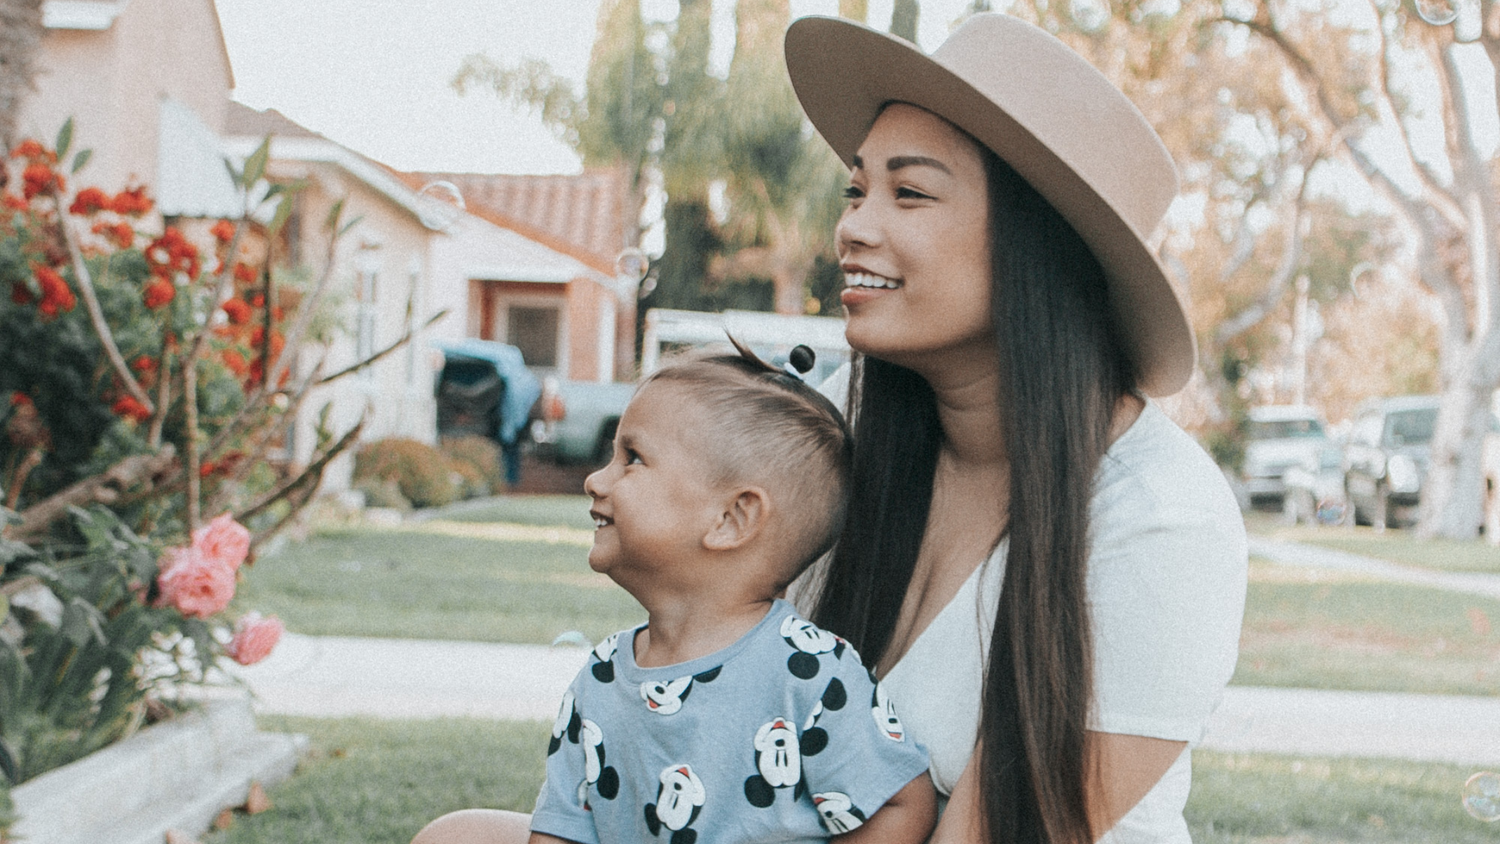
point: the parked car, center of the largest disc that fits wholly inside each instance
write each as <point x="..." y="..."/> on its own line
<point x="575" y="421"/>
<point x="1279" y="437"/>
<point x="1314" y="489"/>
<point x="484" y="389"/>
<point x="1387" y="457"/>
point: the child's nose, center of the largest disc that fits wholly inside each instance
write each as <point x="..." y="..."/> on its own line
<point x="593" y="485"/>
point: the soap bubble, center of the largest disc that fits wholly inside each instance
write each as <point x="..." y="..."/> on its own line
<point x="439" y="204"/>
<point x="1437" y="12"/>
<point x="1092" y="15"/>
<point x="572" y="637"/>
<point x="1482" y="796"/>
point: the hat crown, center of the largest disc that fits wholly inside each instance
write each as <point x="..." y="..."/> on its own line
<point x="1097" y="131"/>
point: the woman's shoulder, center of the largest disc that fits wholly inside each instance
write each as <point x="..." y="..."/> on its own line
<point x="1155" y="467"/>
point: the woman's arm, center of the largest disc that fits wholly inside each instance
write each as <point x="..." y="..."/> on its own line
<point x="906" y="818"/>
<point x="1127" y="767"/>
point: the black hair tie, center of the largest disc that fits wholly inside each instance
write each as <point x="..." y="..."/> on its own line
<point x="799" y="362"/>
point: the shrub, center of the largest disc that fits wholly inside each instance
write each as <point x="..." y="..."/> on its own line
<point x="425" y="476"/>
<point x="481" y="453"/>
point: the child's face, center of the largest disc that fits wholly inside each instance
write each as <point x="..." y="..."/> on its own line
<point x="653" y="502"/>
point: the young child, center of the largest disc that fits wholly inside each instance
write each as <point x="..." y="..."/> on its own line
<point x="726" y="718"/>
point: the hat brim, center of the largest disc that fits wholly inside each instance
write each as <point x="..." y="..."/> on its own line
<point x="844" y="73"/>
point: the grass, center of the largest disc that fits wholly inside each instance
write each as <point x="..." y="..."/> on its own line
<point x="368" y="781"/>
<point x="564" y="510"/>
<point x="1399" y="546"/>
<point x="1318" y="630"/>
<point x="378" y="782"/>
<point x="1245" y="798"/>
<point x="441" y="580"/>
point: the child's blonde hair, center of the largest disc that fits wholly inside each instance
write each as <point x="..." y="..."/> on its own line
<point x="774" y="430"/>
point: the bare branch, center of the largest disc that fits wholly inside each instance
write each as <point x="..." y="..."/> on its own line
<point x="96" y="313"/>
<point x="314" y="471"/>
<point x="103" y="488"/>
<point x="405" y="338"/>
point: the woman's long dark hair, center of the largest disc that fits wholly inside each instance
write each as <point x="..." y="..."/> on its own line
<point x="1063" y="370"/>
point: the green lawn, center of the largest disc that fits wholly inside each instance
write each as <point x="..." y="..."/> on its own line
<point x="377" y="782"/>
<point x="566" y="510"/>
<point x="1395" y="545"/>
<point x="441" y="580"/>
<point x="1320" y="630"/>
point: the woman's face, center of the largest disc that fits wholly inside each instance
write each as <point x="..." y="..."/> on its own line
<point x="914" y="242"/>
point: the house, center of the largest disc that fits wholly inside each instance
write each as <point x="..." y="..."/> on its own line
<point x="116" y="67"/>
<point x="541" y="256"/>
<point x="532" y="261"/>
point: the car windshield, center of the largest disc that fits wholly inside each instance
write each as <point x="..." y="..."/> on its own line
<point x="1280" y="429"/>
<point x="1410" y="427"/>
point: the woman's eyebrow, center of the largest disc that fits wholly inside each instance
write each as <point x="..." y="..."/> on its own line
<point x="897" y="162"/>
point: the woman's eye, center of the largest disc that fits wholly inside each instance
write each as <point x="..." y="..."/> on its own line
<point x="910" y="193"/>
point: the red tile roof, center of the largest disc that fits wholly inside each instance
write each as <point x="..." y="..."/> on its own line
<point x="584" y="216"/>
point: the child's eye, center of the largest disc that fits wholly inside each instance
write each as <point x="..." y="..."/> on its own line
<point x="631" y="457"/>
<point x="853" y="192"/>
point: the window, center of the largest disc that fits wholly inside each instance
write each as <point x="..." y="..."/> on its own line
<point x="534" y="330"/>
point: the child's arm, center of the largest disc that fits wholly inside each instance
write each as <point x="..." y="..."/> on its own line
<point x="907" y="818"/>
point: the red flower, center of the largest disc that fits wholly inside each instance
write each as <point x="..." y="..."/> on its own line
<point x="38" y="177"/>
<point x="56" y="296"/>
<point x="254" y="638"/>
<point x="223" y="231"/>
<point x="235" y="362"/>
<point x="121" y="234"/>
<point x="206" y="468"/>
<point x="131" y="202"/>
<point x="159" y="292"/>
<point x="143" y="364"/>
<point x="238" y="310"/>
<point x="244" y="272"/>
<point x="13" y="202"/>
<point x="172" y="253"/>
<point x="258" y="336"/>
<point x="89" y="201"/>
<point x="32" y="150"/>
<point x="130" y="408"/>
<point x="20" y="399"/>
<point x="20" y="293"/>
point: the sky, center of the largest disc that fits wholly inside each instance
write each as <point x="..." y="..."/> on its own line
<point x="373" y="74"/>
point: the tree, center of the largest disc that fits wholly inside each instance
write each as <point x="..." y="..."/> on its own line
<point x="1319" y="87"/>
<point x="904" y="19"/>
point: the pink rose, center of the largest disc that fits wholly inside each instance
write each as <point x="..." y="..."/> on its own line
<point x="223" y="540"/>
<point x="254" y="637"/>
<point x="196" y="585"/>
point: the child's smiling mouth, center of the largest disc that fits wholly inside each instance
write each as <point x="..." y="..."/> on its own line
<point x="601" y="520"/>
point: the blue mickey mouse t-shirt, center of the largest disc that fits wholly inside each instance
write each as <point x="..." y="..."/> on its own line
<point x="783" y="736"/>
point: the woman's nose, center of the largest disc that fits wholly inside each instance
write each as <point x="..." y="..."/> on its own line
<point x="857" y="227"/>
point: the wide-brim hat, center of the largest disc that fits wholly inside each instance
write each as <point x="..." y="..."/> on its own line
<point x="1048" y="113"/>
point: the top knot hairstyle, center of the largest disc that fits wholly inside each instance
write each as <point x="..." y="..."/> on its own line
<point x="771" y="429"/>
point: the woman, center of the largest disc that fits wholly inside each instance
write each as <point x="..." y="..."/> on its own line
<point x="1046" y="573"/>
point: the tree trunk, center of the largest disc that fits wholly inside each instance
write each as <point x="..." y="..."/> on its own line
<point x="904" y="20"/>
<point x="20" y="37"/>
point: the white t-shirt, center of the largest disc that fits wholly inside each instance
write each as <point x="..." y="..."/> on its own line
<point x="1166" y="585"/>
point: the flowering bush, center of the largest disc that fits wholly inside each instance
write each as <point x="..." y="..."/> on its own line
<point x="145" y="374"/>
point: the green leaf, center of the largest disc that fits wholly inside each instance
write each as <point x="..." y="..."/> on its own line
<point x="81" y="622"/>
<point x="8" y="765"/>
<point x="255" y="165"/>
<point x="64" y="138"/>
<point x="234" y="174"/>
<point x="81" y="159"/>
<point x="334" y="212"/>
<point x="283" y="213"/>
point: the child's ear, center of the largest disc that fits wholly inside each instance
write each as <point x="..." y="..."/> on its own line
<point x="742" y="519"/>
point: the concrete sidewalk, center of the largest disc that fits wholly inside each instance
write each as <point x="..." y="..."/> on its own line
<point x="1312" y="556"/>
<point x="395" y="678"/>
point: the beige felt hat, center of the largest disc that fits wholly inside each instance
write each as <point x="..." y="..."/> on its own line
<point x="1048" y="113"/>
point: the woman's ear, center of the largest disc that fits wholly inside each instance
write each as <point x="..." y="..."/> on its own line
<point x="742" y="519"/>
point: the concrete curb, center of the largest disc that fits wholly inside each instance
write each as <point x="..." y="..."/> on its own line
<point x="176" y="775"/>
